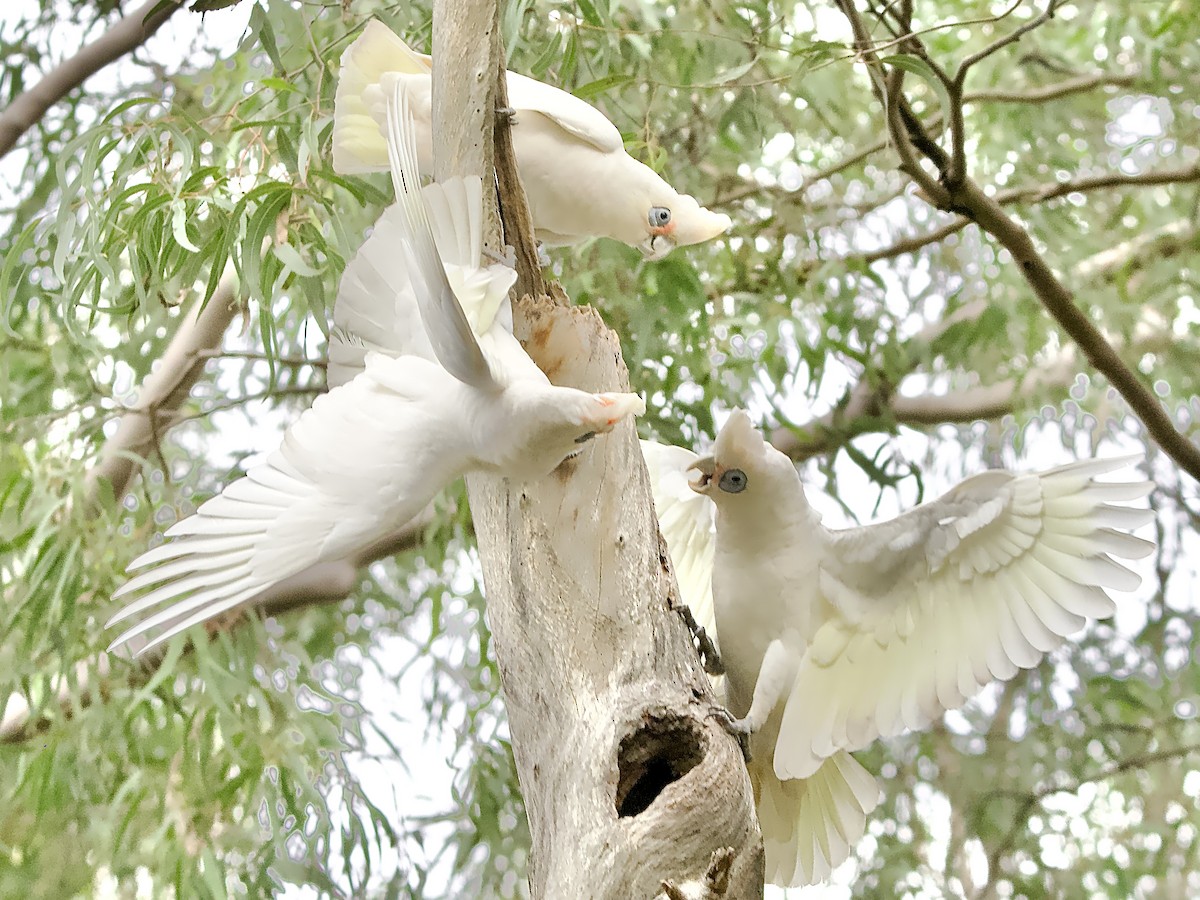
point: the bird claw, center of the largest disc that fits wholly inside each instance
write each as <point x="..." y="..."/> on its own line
<point x="738" y="728"/>
<point x="506" y="115"/>
<point x="543" y="257"/>
<point x="709" y="657"/>
<point x="507" y="258"/>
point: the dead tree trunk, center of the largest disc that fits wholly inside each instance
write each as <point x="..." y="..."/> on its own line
<point x="627" y="781"/>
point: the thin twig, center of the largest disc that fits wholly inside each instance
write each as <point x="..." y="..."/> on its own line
<point x="128" y="33"/>
<point x="901" y="135"/>
<point x="1036" y="22"/>
<point x="1050" y="92"/>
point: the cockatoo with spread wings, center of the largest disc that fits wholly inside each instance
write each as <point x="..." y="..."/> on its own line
<point x="832" y="639"/>
<point x="428" y="383"/>
<point x="578" y="178"/>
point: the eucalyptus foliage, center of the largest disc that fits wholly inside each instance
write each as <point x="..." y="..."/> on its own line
<point x="236" y="767"/>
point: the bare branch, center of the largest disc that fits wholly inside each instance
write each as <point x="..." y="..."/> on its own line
<point x="1032" y="96"/>
<point x="164" y="391"/>
<point x="872" y="405"/>
<point x="514" y="206"/>
<point x="900" y="131"/>
<point x="1036" y="22"/>
<point x="128" y="33"/>
<point x="1059" y="302"/>
<point x="1037" y="193"/>
<point x="1051" y="92"/>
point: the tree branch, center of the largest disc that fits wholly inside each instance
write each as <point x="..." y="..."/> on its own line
<point x="627" y="782"/>
<point x="959" y="193"/>
<point x="1035" y="193"/>
<point x="164" y="391"/>
<point x="1060" y="303"/>
<point x="872" y="405"/>
<point x="1051" y="92"/>
<point x="128" y="33"/>
<point x="1032" y="96"/>
<point x="514" y="207"/>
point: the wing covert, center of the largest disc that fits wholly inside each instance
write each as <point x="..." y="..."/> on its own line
<point x="974" y="587"/>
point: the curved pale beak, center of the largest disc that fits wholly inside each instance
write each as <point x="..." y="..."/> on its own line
<point x="656" y="246"/>
<point x="705" y="468"/>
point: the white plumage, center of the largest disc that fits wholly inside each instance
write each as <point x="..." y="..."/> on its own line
<point x="427" y="383"/>
<point x="832" y="639"/>
<point x="578" y="179"/>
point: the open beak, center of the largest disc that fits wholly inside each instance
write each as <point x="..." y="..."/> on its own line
<point x="705" y="468"/>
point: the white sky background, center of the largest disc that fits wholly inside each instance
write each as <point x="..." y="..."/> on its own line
<point x="422" y="785"/>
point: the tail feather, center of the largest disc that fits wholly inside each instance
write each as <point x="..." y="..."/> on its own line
<point x="358" y="143"/>
<point x="811" y="825"/>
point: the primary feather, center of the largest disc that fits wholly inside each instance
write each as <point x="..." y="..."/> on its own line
<point x="578" y="179"/>
<point x="832" y="639"/>
<point x="427" y="383"/>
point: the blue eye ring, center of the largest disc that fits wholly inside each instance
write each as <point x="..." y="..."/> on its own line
<point x="660" y="216"/>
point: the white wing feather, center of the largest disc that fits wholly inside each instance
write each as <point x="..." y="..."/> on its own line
<point x="445" y="322"/>
<point x="810" y="826"/>
<point x="935" y="604"/>
<point x="363" y="459"/>
<point x="376" y="309"/>
<point x="688" y="524"/>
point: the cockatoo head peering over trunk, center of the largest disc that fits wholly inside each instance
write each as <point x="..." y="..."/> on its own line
<point x="670" y="219"/>
<point x="578" y="178"/>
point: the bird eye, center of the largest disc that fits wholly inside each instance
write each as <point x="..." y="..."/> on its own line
<point x="659" y="216"/>
<point x="584" y="438"/>
<point x="733" y="481"/>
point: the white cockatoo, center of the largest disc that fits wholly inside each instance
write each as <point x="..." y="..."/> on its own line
<point x="428" y="384"/>
<point x="578" y="179"/>
<point x="832" y="639"/>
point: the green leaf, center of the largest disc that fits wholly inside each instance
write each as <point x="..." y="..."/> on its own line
<point x="601" y="85"/>
<point x="921" y="68"/>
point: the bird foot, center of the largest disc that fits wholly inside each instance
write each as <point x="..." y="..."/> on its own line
<point x="709" y="657"/>
<point x="507" y="258"/>
<point x="739" y="728"/>
<point x="543" y="257"/>
<point x="506" y="115"/>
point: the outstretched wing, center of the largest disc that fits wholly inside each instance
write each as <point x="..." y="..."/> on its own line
<point x="446" y="324"/>
<point x="930" y="607"/>
<point x="688" y="524"/>
<point x="365" y="458"/>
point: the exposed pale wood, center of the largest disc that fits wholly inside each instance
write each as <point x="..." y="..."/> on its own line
<point x="607" y="702"/>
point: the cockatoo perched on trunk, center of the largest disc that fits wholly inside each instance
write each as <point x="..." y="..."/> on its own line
<point x="578" y="178"/>
<point x="431" y="384"/>
<point x="831" y="639"/>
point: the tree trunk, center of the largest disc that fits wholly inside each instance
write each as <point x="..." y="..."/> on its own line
<point x="627" y="781"/>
